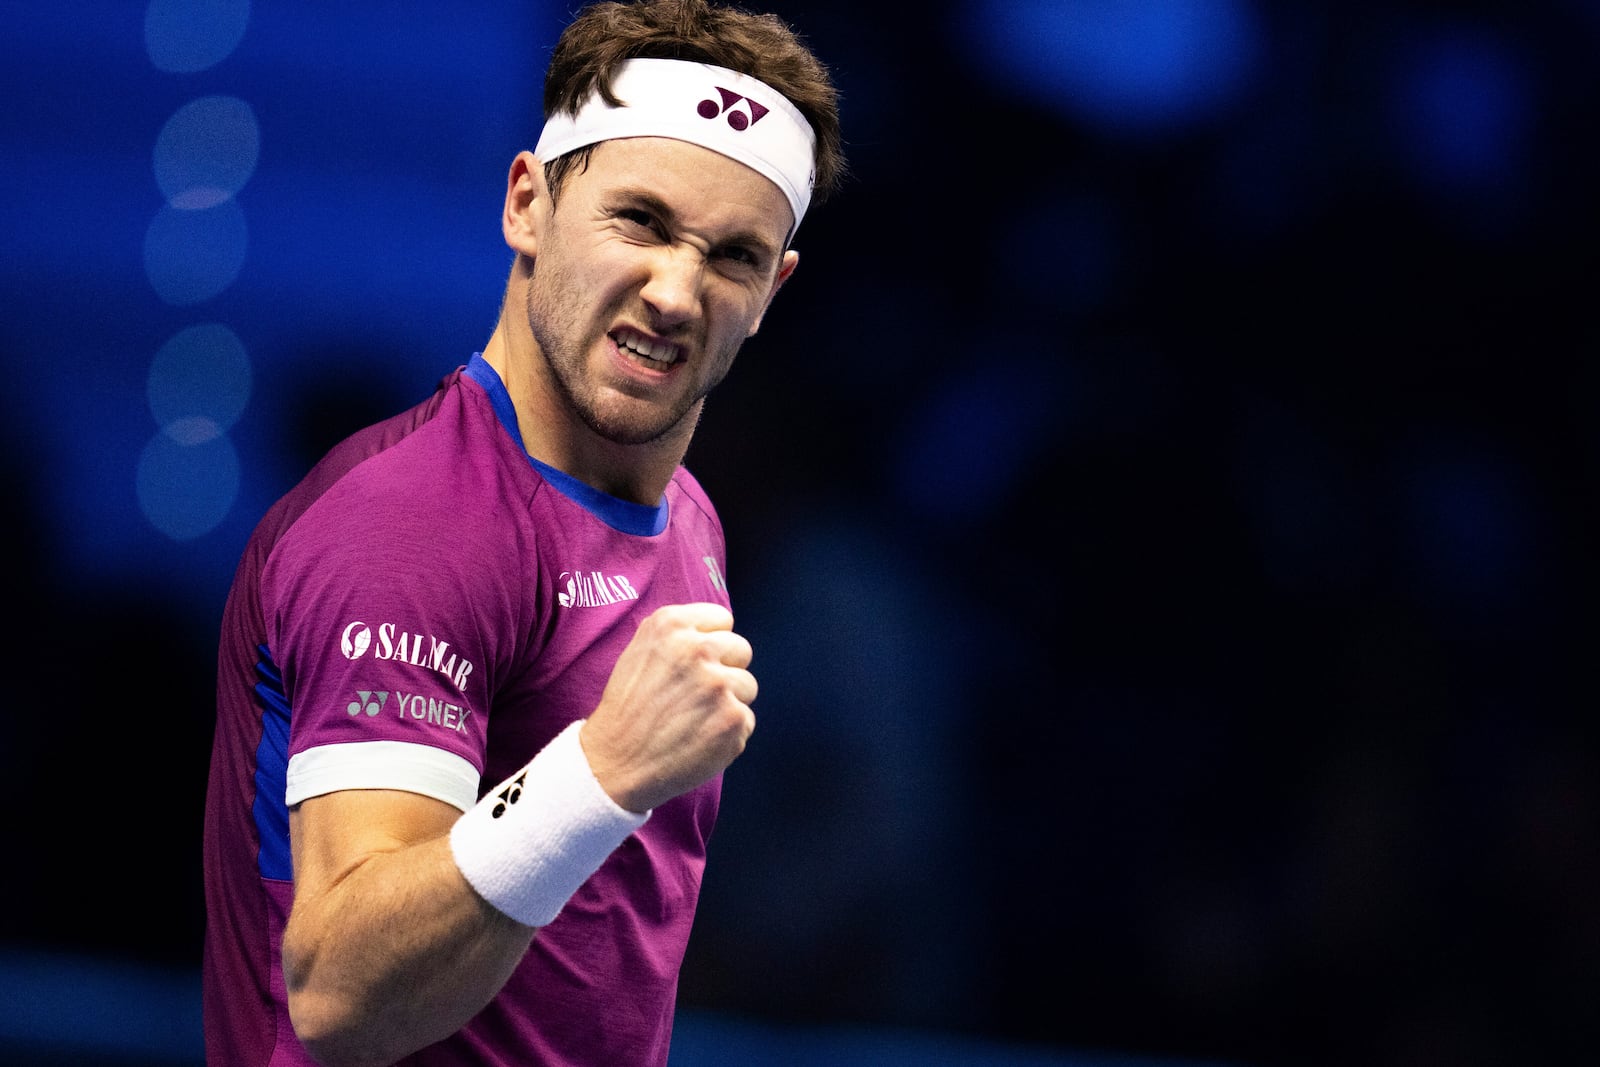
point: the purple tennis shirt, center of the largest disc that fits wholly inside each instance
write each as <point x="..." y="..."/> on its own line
<point x="425" y="611"/>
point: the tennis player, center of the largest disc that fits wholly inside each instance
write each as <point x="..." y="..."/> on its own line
<point x="479" y="677"/>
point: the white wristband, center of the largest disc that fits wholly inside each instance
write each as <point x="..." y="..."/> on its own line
<point x="535" y="838"/>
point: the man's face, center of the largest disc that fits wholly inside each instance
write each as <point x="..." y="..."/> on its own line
<point x="654" y="264"/>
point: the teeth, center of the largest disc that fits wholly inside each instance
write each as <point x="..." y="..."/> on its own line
<point x="642" y="346"/>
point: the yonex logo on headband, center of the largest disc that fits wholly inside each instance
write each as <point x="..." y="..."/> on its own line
<point x="714" y="107"/>
<point x="739" y="120"/>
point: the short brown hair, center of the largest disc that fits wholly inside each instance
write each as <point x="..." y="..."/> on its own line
<point x="604" y="35"/>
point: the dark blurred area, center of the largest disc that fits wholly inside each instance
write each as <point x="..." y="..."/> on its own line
<point x="1162" y="503"/>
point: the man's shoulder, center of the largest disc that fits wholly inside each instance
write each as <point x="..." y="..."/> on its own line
<point x="437" y="474"/>
<point x="688" y="489"/>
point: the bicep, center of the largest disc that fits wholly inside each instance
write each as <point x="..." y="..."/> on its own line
<point x="333" y="834"/>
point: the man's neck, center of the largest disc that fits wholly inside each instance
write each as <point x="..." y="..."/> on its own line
<point x="553" y="435"/>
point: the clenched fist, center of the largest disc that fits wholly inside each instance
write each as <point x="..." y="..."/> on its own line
<point x="676" y="709"/>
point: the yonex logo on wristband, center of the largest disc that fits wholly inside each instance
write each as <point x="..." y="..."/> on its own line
<point x="509" y="795"/>
<point x="739" y="120"/>
<point x="528" y="859"/>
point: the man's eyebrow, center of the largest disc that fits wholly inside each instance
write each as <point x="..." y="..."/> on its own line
<point x="658" y="207"/>
<point x="649" y="201"/>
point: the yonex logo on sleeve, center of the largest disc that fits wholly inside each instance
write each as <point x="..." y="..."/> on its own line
<point x="739" y="120"/>
<point x="369" y="702"/>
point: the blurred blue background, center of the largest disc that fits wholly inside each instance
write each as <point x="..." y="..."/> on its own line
<point x="1162" y="505"/>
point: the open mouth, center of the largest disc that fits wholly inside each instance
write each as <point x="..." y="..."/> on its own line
<point x="653" y="354"/>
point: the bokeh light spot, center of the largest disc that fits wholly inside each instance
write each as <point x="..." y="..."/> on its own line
<point x="183" y="36"/>
<point x="188" y="479"/>
<point x="1462" y="110"/>
<point x="1123" y="66"/>
<point x="206" y="152"/>
<point x="201" y="372"/>
<point x="190" y="256"/>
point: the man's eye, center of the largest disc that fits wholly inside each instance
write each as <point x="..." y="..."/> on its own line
<point x="638" y="218"/>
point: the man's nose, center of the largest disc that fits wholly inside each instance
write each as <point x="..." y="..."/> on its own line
<point x="673" y="288"/>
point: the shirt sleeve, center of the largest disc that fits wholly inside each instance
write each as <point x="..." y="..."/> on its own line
<point x="415" y="768"/>
<point x="391" y="608"/>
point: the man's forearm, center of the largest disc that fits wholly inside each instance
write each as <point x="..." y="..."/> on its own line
<point x="393" y="955"/>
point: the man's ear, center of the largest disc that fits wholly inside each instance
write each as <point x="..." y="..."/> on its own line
<point x="791" y="260"/>
<point x="527" y="201"/>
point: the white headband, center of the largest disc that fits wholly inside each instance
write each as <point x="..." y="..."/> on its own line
<point x="716" y="108"/>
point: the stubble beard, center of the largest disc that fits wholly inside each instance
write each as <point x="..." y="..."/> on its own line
<point x="645" y="424"/>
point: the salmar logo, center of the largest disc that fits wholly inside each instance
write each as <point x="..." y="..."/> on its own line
<point x="418" y="650"/>
<point x="356" y="640"/>
<point x="591" y="589"/>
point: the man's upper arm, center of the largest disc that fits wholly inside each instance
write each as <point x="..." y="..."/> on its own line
<point x="329" y="835"/>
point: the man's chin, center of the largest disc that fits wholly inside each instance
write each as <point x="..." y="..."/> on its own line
<point x="634" y="428"/>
